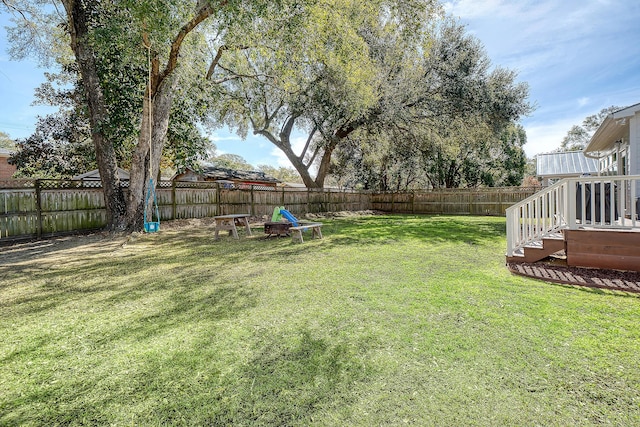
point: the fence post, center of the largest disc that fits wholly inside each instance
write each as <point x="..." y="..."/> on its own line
<point x="252" y="202"/>
<point x="218" y="202"/>
<point x="38" y="209"/>
<point x="413" y="201"/>
<point x="472" y="199"/>
<point x="174" y="203"/>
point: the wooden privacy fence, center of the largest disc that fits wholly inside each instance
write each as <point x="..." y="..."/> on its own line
<point x="459" y="201"/>
<point x="44" y="208"/>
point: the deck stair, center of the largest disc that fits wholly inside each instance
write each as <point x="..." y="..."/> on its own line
<point x="539" y="249"/>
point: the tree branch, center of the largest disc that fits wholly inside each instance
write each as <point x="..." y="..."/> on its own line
<point x="215" y="61"/>
<point x="203" y="13"/>
<point x="14" y="8"/>
<point x="306" y="145"/>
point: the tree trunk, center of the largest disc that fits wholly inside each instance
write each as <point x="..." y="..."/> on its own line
<point x="284" y="144"/>
<point x="141" y="159"/>
<point x="78" y="13"/>
<point x="161" y="87"/>
<point x="325" y="163"/>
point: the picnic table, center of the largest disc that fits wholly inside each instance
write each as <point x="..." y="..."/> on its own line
<point x="229" y="222"/>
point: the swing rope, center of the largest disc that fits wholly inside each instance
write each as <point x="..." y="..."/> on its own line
<point x="150" y="226"/>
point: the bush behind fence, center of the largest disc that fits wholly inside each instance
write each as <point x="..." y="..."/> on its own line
<point x="44" y="208"/>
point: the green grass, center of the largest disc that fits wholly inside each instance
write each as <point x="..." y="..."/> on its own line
<point x="388" y="320"/>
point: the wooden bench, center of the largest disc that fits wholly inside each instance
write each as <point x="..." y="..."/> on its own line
<point x="296" y="232"/>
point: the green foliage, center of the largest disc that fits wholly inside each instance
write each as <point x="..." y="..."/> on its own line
<point x="388" y="320"/>
<point x="578" y="136"/>
<point x="320" y="70"/>
<point x="60" y="147"/>
<point x="231" y="161"/>
<point x="282" y="173"/>
<point x="6" y="141"/>
<point x="445" y="120"/>
<point x="123" y="72"/>
<point x="39" y="32"/>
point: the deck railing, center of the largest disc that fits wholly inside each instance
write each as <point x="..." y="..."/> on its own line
<point x="587" y="202"/>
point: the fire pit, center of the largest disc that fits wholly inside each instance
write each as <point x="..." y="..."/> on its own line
<point x="276" y="228"/>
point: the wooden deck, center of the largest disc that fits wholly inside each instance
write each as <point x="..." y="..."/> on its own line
<point x="598" y="229"/>
<point x="610" y="249"/>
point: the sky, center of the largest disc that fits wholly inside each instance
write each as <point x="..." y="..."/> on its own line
<point x="577" y="56"/>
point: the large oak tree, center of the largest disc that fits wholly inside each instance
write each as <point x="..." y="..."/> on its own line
<point x="108" y="40"/>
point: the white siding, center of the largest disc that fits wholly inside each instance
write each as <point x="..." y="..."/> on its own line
<point x="634" y="147"/>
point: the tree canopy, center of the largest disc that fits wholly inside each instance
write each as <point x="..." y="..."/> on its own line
<point x="6" y="141"/>
<point x="128" y="58"/>
<point x="578" y="137"/>
<point x="432" y="87"/>
<point x="388" y="93"/>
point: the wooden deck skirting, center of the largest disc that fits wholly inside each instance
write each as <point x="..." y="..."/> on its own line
<point x="606" y="249"/>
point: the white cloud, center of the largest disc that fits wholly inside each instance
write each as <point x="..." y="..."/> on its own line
<point x="546" y="137"/>
<point x="297" y="143"/>
<point x="470" y="9"/>
<point x="281" y="159"/>
<point x="533" y="11"/>
<point x="584" y="101"/>
<point x="217" y="138"/>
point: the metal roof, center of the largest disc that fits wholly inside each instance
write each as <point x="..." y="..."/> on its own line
<point x="570" y="163"/>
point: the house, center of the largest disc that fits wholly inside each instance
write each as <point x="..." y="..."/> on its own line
<point x="228" y="177"/>
<point x="552" y="167"/>
<point x="616" y="143"/>
<point x="6" y="170"/>
<point x="94" y="175"/>
<point x="593" y="220"/>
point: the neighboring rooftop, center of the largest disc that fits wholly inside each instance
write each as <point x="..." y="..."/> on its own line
<point x="94" y="175"/>
<point x="213" y="173"/>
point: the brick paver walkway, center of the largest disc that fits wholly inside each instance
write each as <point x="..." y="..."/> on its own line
<point x="595" y="278"/>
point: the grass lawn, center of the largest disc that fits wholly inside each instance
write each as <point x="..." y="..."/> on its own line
<point x="388" y="320"/>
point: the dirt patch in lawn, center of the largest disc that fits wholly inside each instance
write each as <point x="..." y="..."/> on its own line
<point x="57" y="250"/>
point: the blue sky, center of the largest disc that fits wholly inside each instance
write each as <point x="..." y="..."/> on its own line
<point x="578" y="56"/>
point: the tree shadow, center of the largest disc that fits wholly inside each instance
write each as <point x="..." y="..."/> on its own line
<point x="286" y="383"/>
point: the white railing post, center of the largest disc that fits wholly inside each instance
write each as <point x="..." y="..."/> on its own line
<point x="511" y="228"/>
<point x="570" y="203"/>
<point x="634" y="205"/>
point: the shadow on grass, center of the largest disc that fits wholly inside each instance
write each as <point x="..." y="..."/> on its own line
<point x="286" y="382"/>
<point x="184" y="260"/>
<point x="73" y="380"/>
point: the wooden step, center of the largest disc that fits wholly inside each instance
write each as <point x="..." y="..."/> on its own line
<point x="539" y="250"/>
